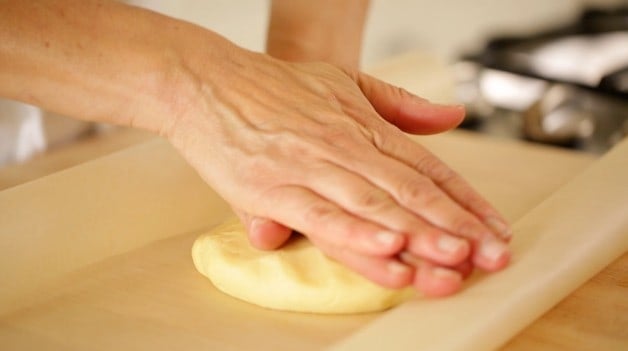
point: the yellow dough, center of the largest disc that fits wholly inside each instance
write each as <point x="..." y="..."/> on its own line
<point x="297" y="277"/>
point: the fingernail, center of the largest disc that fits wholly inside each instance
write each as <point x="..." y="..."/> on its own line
<point x="449" y="245"/>
<point x="493" y="250"/>
<point x="395" y="267"/>
<point x="458" y="106"/>
<point x="386" y="238"/>
<point x="419" y="100"/>
<point x="254" y="224"/>
<point x="500" y="227"/>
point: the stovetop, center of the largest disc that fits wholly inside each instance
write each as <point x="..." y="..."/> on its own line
<point x="565" y="86"/>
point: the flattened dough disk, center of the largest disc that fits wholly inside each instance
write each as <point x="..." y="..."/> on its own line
<point x="298" y="277"/>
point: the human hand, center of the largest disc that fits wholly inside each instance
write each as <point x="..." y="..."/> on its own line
<point x="306" y="146"/>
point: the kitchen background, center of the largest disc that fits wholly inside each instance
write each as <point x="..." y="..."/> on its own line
<point x="445" y="29"/>
<point x="499" y="104"/>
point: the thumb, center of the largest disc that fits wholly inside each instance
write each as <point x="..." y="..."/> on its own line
<point x="410" y="113"/>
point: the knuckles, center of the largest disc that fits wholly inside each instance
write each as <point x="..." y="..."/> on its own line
<point x="418" y="192"/>
<point x="320" y="212"/>
<point x="435" y="169"/>
<point x="467" y="227"/>
<point x="374" y="200"/>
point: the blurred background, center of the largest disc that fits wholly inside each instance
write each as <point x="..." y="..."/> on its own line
<point x="484" y="43"/>
<point x="444" y="27"/>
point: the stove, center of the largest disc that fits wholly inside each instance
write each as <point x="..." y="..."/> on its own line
<point x="566" y="86"/>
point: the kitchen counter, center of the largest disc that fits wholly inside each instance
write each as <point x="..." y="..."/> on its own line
<point x="593" y="317"/>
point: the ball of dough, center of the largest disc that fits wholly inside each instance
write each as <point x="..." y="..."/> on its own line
<point x="298" y="277"/>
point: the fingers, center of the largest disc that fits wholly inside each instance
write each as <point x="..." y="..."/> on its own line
<point x="449" y="181"/>
<point x="348" y="240"/>
<point x="433" y="280"/>
<point x="471" y="216"/>
<point x="385" y="271"/>
<point x="448" y="202"/>
<point x="424" y="199"/>
<point x="416" y="115"/>
<point x="361" y="198"/>
<point x="377" y="201"/>
<point x="409" y="112"/>
<point x="323" y="220"/>
<point x="264" y="234"/>
<point x="491" y="255"/>
<point x="465" y="268"/>
<point x="456" y="187"/>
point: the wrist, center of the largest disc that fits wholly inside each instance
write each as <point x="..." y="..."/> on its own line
<point x="190" y="60"/>
<point x="328" y="30"/>
<point x="201" y="70"/>
<point x="312" y="44"/>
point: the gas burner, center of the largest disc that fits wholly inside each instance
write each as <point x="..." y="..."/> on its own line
<point x="566" y="87"/>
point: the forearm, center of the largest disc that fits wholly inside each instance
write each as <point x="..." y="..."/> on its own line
<point x="99" y="60"/>
<point x="326" y="30"/>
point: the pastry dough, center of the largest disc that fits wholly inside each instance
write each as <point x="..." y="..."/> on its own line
<point x="297" y="277"/>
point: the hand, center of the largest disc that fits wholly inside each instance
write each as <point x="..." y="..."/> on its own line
<point x="306" y="146"/>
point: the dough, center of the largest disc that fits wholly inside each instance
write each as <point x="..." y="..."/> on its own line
<point x="297" y="277"/>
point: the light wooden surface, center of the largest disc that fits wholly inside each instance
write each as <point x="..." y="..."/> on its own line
<point x="148" y="295"/>
<point x="152" y="297"/>
<point x="558" y="245"/>
<point x="66" y="156"/>
<point x="594" y="317"/>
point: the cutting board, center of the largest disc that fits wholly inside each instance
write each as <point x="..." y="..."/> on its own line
<point x="98" y="257"/>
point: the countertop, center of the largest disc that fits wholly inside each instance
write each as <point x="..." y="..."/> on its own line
<point x="593" y="317"/>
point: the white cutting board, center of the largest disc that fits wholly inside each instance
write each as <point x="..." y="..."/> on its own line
<point x="97" y="257"/>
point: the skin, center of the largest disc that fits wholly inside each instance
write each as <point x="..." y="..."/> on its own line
<point x="308" y="146"/>
<point x="305" y="31"/>
<point x="331" y="31"/>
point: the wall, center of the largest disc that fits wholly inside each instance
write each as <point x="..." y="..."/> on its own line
<point x="444" y="27"/>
